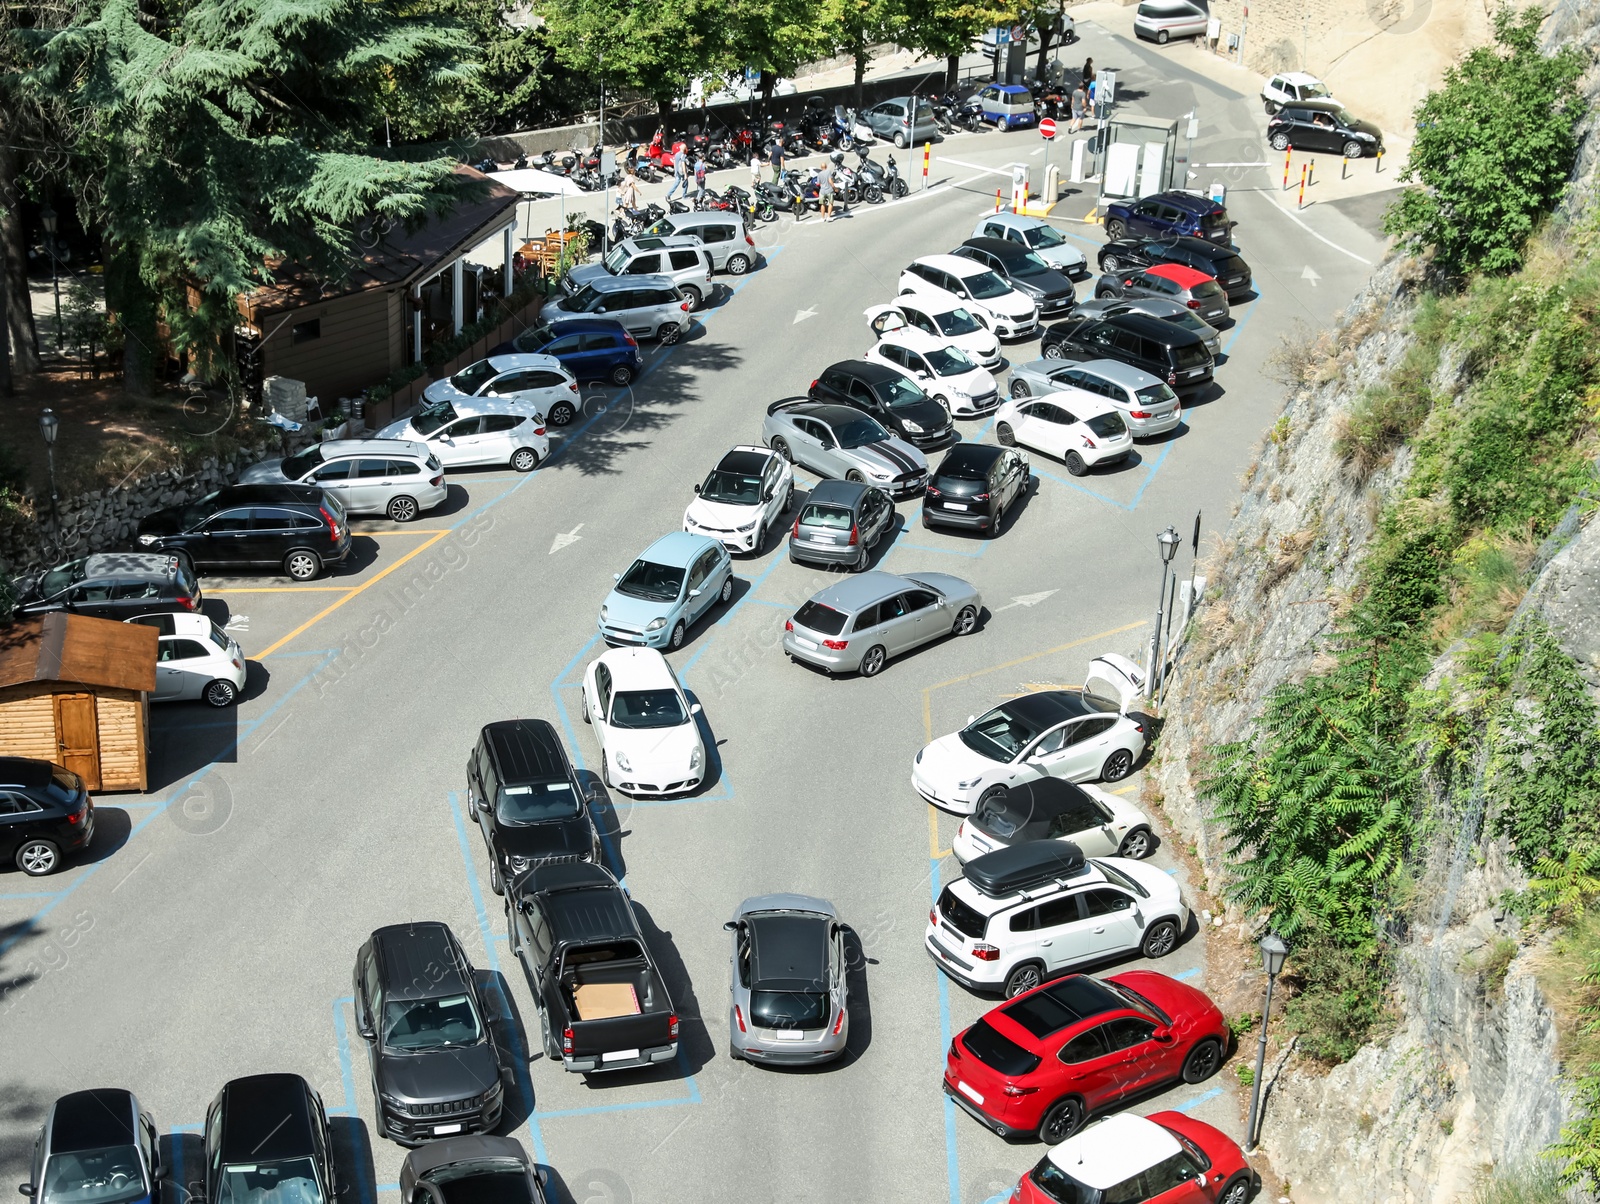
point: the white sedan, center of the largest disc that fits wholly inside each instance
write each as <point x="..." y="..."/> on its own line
<point x="953" y="323"/>
<point x="1075" y="428"/>
<point x="195" y="659"/>
<point x="941" y="369"/>
<point x="742" y="498"/>
<point x="1073" y="734"/>
<point x="649" y="740"/>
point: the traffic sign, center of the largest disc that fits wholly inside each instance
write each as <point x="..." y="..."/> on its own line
<point x="1047" y="127"/>
<point x="1018" y="33"/>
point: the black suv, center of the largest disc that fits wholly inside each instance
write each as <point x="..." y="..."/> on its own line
<point x="528" y="802"/>
<point x="888" y="396"/>
<point x="1222" y="263"/>
<point x="1323" y="125"/>
<point x="267" y="1134"/>
<point x="974" y="485"/>
<point x="298" y="528"/>
<point x="435" y="1066"/>
<point x="1025" y="271"/>
<point x="110" y="585"/>
<point x="1166" y="351"/>
<point x="45" y="812"/>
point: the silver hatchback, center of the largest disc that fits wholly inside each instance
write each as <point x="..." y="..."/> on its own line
<point x="858" y="624"/>
<point x="788" y="988"/>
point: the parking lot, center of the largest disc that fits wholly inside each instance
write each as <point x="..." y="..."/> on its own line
<point x="211" y="931"/>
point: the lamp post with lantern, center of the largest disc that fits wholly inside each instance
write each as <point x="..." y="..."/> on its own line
<point x="1168" y="542"/>
<point x="49" y="424"/>
<point x="1273" y="954"/>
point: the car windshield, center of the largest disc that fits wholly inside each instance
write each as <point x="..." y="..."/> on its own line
<point x="1108" y="425"/>
<point x="999" y="735"/>
<point x="957" y="322"/>
<point x="1345" y="117"/>
<point x="1044" y="236"/>
<point x="58" y="579"/>
<point x="1115" y="875"/>
<point x="950" y="361"/>
<point x="789" y="1009"/>
<point x="652" y="582"/>
<point x="858" y="432"/>
<point x="483" y="1181"/>
<point x="536" y="803"/>
<point x="648" y="708"/>
<point x="900" y="394"/>
<point x="1154" y="395"/>
<point x="1028" y="265"/>
<point x="819" y="514"/>
<point x="616" y="260"/>
<point x="417" y="1024"/>
<point x="1194" y="356"/>
<point x="995" y="1049"/>
<point x="1136" y="1001"/>
<point x="1054" y="1182"/>
<point x="1206" y="288"/>
<point x="585" y="300"/>
<point x="731" y="488"/>
<point x="431" y="417"/>
<point x="473" y="377"/>
<point x="286" y="1181"/>
<point x="986" y="286"/>
<point x="817" y="617"/>
<point x="296" y="467"/>
<point x="113" y="1175"/>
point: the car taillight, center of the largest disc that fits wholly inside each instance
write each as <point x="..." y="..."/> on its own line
<point x="572" y="385"/>
<point x="933" y="916"/>
<point x="986" y="953"/>
<point x="538" y="430"/>
<point x="1016" y="1092"/>
<point x="749" y="240"/>
<point x="185" y="601"/>
<point x="333" y="523"/>
<point x="74" y="816"/>
<point x="1193" y="303"/>
<point x="796" y="531"/>
<point x="814" y="384"/>
<point x="1172" y="378"/>
<point x="738" y="1014"/>
<point x="788" y="624"/>
<point x="1139" y="727"/>
<point x="934" y="491"/>
<point x="1139" y="414"/>
<point x="955" y="1051"/>
<point x="630" y="340"/>
<point x="1087" y="442"/>
<point x="855" y="535"/>
<point x="838" y="1024"/>
<point x="836" y="645"/>
<point x="566" y="1042"/>
<point x="980" y="497"/>
<point x="437" y="481"/>
<point x="672" y="1026"/>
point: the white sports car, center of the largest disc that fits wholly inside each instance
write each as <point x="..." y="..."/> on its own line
<point x="649" y="739"/>
<point x="744" y="497"/>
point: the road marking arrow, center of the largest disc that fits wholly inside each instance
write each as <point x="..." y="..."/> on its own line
<point x="800" y="315"/>
<point x="1027" y="600"/>
<point x="238" y="623"/>
<point x="565" y="539"/>
<point x="1310" y="274"/>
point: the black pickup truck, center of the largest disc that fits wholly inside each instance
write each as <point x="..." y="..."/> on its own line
<point x="601" y="1003"/>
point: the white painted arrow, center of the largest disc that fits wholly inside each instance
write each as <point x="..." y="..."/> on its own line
<point x="238" y="623"/>
<point x="566" y="539"/>
<point x="800" y="315"/>
<point x="1028" y="600"/>
<point x="1310" y="274"/>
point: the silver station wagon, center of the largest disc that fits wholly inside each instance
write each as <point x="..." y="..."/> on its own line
<point x="858" y="624"/>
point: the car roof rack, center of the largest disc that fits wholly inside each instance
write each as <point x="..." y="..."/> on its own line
<point x="1019" y="868"/>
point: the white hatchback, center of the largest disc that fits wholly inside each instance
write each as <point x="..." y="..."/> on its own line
<point x="742" y="498"/>
<point x="1100" y="823"/>
<point x="938" y="319"/>
<point x="465" y="432"/>
<point x="1075" y="428"/>
<point x="649" y="737"/>
<point x="945" y="372"/>
<point x="1291" y="87"/>
<point x="195" y="659"/>
<point x="965" y="282"/>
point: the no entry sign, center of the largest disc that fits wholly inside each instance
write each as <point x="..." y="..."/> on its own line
<point x="1047" y="127"/>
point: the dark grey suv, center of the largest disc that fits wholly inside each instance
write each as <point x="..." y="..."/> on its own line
<point x="839" y="525"/>
<point x="1025" y="271"/>
<point x="435" y="1065"/>
<point x="110" y="585"/>
<point x="527" y="801"/>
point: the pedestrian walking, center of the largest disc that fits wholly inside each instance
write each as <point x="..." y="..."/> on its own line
<point x="628" y="191"/>
<point x="699" y="181"/>
<point x="1080" y="106"/>
<point x="1088" y="72"/>
<point x="680" y="174"/>
<point x="755" y="170"/>
<point x="825" y="191"/>
<point x="775" y="157"/>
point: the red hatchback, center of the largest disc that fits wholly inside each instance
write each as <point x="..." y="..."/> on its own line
<point x="1164" y="1158"/>
<point x="1048" y="1059"/>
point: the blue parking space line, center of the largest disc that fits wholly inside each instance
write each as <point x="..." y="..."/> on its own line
<point x="1190" y="1105"/>
<point x="33" y="894"/>
<point x="1191" y="972"/>
<point x="1238" y="327"/>
<point x="952" y="1156"/>
<point x="382" y="1187"/>
<point x="1173" y="871"/>
<point x="341" y="1036"/>
<point x="177" y="1129"/>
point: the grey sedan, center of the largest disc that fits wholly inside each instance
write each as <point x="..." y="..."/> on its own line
<point x="861" y="622"/>
<point x="839" y="524"/>
<point x="787" y="983"/>
<point x="843" y="443"/>
<point x="1147" y="404"/>
<point x="1175" y="312"/>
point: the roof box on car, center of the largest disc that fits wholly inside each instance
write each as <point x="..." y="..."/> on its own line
<point x="1021" y="867"/>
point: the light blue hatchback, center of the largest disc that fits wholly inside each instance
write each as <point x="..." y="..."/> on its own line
<point x="675" y="581"/>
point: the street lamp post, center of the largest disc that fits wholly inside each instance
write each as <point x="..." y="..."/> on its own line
<point x="48" y="219"/>
<point x="1168" y="542"/>
<point x="49" y="424"/>
<point x="1273" y="954"/>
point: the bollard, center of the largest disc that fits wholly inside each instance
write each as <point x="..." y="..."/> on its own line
<point x="1344" y="168"/>
<point x="1311" y="173"/>
<point x="1286" y="156"/>
<point x="997" y="200"/>
<point x="1380" y="159"/>
<point x="927" y="154"/>
<point x="1302" y="203"/>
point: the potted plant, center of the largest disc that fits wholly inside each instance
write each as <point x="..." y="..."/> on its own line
<point x="335" y="425"/>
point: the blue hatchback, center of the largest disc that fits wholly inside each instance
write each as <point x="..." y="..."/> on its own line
<point x="97" y="1147"/>
<point x="589" y="348"/>
<point x="1168" y="213"/>
<point x="675" y="581"/>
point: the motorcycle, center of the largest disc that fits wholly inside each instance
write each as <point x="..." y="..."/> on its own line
<point x="943" y="113"/>
<point x="886" y="178"/>
<point x="856" y="187"/>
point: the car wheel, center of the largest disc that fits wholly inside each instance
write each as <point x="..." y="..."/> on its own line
<point x="563" y="412"/>
<point x="695" y="300"/>
<point x="547" y="1039"/>
<point x="738" y="265"/>
<point x="1053" y="351"/>
<point x="301" y="565"/>
<point x="1004" y="433"/>
<point x="670" y="334"/>
<point x="1237" y="1190"/>
<point x="966" y="621"/>
<point x="900" y="140"/>
<point x="1075" y="464"/>
<point x="620" y="375"/>
<point x="993" y="529"/>
<point x="1162" y="37"/>
<point x="1118" y="766"/>
<point x="1019" y="388"/>
<point x="1203" y="1061"/>
<point x="1160" y="939"/>
<point x="403" y="509"/>
<point x="1137" y="845"/>
<point x="855" y="476"/>
<point x="496" y="882"/>
<point x="524" y="459"/>
<point x="37" y="857"/>
<point x="1108" y="263"/>
<point x="1023" y="978"/>
<point x="1116" y="228"/>
<point x="781" y="446"/>
<point x="1280" y="141"/>
<point x="1061" y="1122"/>
<point x="1272" y="107"/>
<point x="583" y="700"/>
<point x="676" y="640"/>
<point x="220" y="693"/>
<point x="943" y="403"/>
<point x="1353" y="149"/>
<point x="872" y="663"/>
<point x="726" y="595"/>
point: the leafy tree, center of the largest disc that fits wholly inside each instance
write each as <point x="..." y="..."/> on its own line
<point x="948" y="30"/>
<point x="654" y="46"/>
<point x="777" y="37"/>
<point x="854" y="27"/>
<point x="1493" y="150"/>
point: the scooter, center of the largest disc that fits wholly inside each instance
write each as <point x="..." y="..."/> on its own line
<point x="887" y="178"/>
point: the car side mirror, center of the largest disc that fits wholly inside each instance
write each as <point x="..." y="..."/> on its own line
<point x="697" y="489"/>
<point x="26" y="1189"/>
<point x="694" y="593"/>
<point x="827" y="444"/>
<point x="972" y="718"/>
<point x="730" y="926"/>
<point x="616" y="576"/>
<point x="543" y="1174"/>
<point x="1164" y="1035"/>
<point x="367" y="1031"/>
<point x="601" y="310"/>
<point x="695" y="708"/>
<point x="767" y="496"/>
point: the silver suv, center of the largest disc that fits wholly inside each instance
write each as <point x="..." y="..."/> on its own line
<point x="682" y="260"/>
<point x="396" y="477"/>
<point x="649" y="307"/>
<point x="788" y="991"/>
<point x="729" y="244"/>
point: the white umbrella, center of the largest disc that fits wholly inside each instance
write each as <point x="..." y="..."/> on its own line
<point x="530" y="181"/>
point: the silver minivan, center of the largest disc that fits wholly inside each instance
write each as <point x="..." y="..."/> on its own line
<point x="1160" y="21"/>
<point x="649" y="307"/>
<point x="682" y="259"/>
<point x="724" y="235"/>
<point x="862" y="622"/>
<point x="397" y="477"/>
<point x="903" y="120"/>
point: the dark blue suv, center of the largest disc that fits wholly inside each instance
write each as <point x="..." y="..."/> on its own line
<point x="1169" y="213"/>
<point x="589" y="348"/>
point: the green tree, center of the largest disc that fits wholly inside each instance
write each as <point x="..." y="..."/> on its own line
<point x="232" y="135"/>
<point x="654" y="46"/>
<point x="776" y="37"/>
<point x="948" y="30"/>
<point x="854" y="27"/>
<point x="1494" y="147"/>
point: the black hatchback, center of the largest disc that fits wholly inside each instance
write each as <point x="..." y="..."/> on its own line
<point x="266" y="1139"/>
<point x="298" y="529"/>
<point x="1166" y="351"/>
<point x="1323" y="125"/>
<point x="890" y="397"/>
<point x="1222" y="263"/>
<point x="973" y="487"/>
<point x="527" y="800"/>
<point x="1029" y="274"/>
<point x="110" y="585"/>
<point x="45" y="813"/>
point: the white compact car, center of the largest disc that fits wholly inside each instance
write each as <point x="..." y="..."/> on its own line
<point x="1100" y="823"/>
<point x="1073" y="734"/>
<point x="965" y="282"/>
<point x="1291" y="87"/>
<point x="194" y="659"/>
<point x="1078" y="429"/>
<point x="467" y="432"/>
<point x="537" y="381"/>
<point x="649" y="741"/>
<point x="1021" y="915"/>
<point x="938" y="319"/>
<point x="743" y="498"/>
<point x="943" y="371"/>
<point x="1040" y="237"/>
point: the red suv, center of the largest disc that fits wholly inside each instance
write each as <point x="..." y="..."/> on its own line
<point x="1044" y="1061"/>
<point x="1163" y="1158"/>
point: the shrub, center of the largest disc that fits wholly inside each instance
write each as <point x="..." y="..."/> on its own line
<point x="1340" y="1001"/>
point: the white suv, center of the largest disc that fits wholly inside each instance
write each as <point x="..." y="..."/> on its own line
<point x="1007" y="312"/>
<point x="1031" y="911"/>
<point x="538" y="382"/>
<point x="470" y="432"/>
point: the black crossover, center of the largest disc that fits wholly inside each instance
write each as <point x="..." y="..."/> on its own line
<point x="110" y="585"/>
<point x="1050" y="290"/>
<point x="1166" y="351"/>
<point x="266" y="1138"/>
<point x="889" y="396"/>
<point x="974" y="486"/>
<point x="527" y="800"/>
<point x="298" y="529"/>
<point x="45" y="813"/>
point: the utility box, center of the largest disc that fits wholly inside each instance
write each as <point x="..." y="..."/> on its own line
<point x="1052" y="184"/>
<point x="1078" y="146"/>
<point x="1019" y="185"/>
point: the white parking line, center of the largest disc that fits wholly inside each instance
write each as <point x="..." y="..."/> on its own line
<point x="1342" y="250"/>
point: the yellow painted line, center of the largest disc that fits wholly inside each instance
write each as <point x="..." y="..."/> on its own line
<point x="282" y="589"/>
<point x="1124" y="790"/>
<point x="408" y="531"/>
<point x="1092" y="218"/>
<point x="362" y="588"/>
